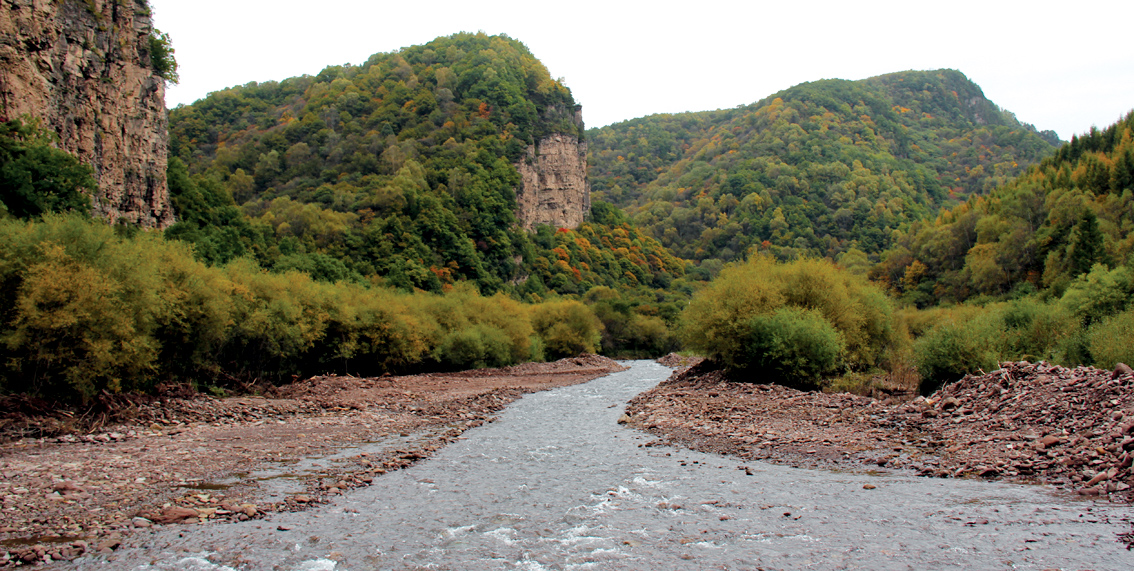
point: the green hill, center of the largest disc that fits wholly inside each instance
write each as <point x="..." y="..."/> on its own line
<point x="823" y="168"/>
<point x="399" y="170"/>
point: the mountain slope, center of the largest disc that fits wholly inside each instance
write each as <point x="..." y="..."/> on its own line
<point x="402" y="170"/>
<point x="820" y="168"/>
<point x="1043" y="229"/>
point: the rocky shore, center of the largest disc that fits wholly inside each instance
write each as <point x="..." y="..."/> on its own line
<point x="1032" y="423"/>
<point x="64" y="496"/>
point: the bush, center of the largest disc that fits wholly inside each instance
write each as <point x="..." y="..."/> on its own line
<point x="1112" y="341"/>
<point x="37" y="178"/>
<point x="718" y="320"/>
<point x="161" y="57"/>
<point x="955" y="347"/>
<point x="791" y="344"/>
<point x="81" y="308"/>
<point x="476" y="347"/>
<point x="1099" y="293"/>
<point x="1035" y="331"/>
<point x="566" y="328"/>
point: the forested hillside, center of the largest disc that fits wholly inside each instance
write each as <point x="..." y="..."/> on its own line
<point x="824" y="168"/>
<point x="1041" y="230"/>
<point x="398" y="170"/>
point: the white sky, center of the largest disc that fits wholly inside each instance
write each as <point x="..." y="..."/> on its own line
<point x="1062" y="65"/>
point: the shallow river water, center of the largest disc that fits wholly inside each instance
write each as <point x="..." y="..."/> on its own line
<point x="556" y="483"/>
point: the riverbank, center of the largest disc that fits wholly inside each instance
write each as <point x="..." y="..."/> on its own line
<point x="77" y="493"/>
<point x="1028" y="423"/>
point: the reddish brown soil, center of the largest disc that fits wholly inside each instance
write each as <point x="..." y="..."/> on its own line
<point x="1070" y="428"/>
<point x="63" y="496"/>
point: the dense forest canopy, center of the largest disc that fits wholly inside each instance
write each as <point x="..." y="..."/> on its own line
<point x="1040" y="230"/>
<point x="826" y="168"/>
<point x="400" y="168"/>
<point x="401" y="172"/>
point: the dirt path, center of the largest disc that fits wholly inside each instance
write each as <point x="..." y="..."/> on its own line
<point x="66" y="496"/>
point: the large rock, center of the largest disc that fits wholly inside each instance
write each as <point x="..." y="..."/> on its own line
<point x="83" y="68"/>
<point x="175" y="514"/>
<point x="554" y="189"/>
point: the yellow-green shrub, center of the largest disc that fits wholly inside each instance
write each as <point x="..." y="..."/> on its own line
<point x="719" y="320"/>
<point x="791" y="343"/>
<point x="956" y="346"/>
<point x="81" y="308"/>
<point x="566" y="328"/>
<point x="1112" y="341"/>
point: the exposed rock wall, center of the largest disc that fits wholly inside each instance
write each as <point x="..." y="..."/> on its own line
<point x="554" y="190"/>
<point x="83" y="68"/>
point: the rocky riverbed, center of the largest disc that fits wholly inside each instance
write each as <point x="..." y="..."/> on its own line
<point x="1033" y="423"/>
<point x="69" y="495"/>
<point x="556" y="483"/>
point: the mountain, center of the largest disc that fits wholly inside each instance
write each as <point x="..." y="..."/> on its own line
<point x="1041" y="230"/>
<point x="420" y="168"/>
<point x="822" y="168"/>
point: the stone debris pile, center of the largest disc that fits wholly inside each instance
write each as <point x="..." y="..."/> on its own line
<point x="1071" y="428"/>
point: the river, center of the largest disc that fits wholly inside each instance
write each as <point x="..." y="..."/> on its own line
<point x="556" y="483"/>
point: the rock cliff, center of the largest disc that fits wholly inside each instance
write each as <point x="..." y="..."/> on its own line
<point x="83" y="68"/>
<point x="554" y="190"/>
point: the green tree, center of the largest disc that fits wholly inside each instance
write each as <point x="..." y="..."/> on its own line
<point x="1087" y="246"/>
<point x="36" y="178"/>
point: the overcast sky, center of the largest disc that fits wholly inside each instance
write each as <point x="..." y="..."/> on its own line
<point x="1062" y="65"/>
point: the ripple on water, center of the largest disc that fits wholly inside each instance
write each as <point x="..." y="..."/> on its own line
<point x="557" y="484"/>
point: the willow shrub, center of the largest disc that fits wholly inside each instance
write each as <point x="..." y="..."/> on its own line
<point x="958" y="345"/>
<point x="792" y="343"/>
<point x="966" y="339"/>
<point x="81" y="307"/>
<point x="720" y="320"/>
<point x="476" y="331"/>
<point x="566" y="328"/>
<point x="85" y="310"/>
<point x="1112" y="341"/>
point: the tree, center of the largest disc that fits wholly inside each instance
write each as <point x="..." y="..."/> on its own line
<point x="36" y="177"/>
<point x="1087" y="248"/>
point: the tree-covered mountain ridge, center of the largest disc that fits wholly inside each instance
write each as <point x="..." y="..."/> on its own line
<point x="403" y="169"/>
<point x="824" y="168"/>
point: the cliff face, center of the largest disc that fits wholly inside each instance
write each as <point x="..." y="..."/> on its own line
<point x="554" y="189"/>
<point x="83" y="68"/>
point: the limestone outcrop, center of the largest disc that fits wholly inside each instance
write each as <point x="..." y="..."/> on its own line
<point x="554" y="190"/>
<point x="83" y="68"/>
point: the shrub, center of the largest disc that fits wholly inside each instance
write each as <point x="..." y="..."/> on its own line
<point x="1098" y="294"/>
<point x="1112" y="341"/>
<point x="37" y="178"/>
<point x="566" y="328"/>
<point x="1034" y="330"/>
<point x="476" y="347"/>
<point x="718" y="320"/>
<point x="791" y="344"/>
<point x="955" y="347"/>
<point x="81" y="308"/>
